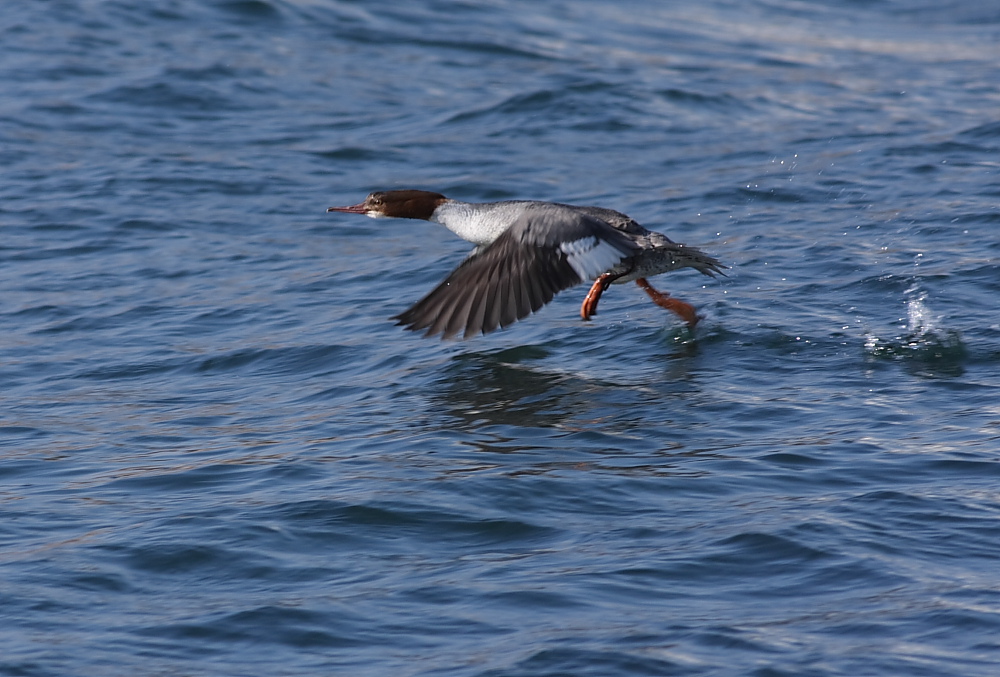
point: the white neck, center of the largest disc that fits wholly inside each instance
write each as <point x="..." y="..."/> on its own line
<point x="478" y="223"/>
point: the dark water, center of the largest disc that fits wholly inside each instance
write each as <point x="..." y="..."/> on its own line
<point x="218" y="456"/>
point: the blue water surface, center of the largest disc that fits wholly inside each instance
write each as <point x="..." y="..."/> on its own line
<point x="218" y="456"/>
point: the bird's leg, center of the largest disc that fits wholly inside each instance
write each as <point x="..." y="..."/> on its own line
<point x="685" y="310"/>
<point x="589" y="307"/>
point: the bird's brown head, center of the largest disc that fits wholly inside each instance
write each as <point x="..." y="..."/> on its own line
<point x="400" y="204"/>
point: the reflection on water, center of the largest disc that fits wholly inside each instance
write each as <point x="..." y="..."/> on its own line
<point x="536" y="386"/>
<point x="499" y="389"/>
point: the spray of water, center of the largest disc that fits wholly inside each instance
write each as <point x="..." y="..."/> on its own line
<point x="922" y="336"/>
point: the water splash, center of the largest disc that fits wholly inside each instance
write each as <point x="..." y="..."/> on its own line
<point x="923" y="340"/>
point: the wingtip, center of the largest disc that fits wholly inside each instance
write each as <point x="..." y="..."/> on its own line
<point x="409" y="324"/>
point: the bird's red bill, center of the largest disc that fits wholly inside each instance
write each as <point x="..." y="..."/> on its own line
<point x="353" y="209"/>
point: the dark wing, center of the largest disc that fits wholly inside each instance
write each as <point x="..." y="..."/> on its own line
<point x="620" y="221"/>
<point x="547" y="249"/>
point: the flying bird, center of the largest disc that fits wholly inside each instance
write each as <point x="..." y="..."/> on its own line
<point x="526" y="252"/>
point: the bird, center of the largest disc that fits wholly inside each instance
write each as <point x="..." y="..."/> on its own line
<point x="526" y="251"/>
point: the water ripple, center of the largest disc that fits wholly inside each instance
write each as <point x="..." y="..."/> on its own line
<point x="220" y="456"/>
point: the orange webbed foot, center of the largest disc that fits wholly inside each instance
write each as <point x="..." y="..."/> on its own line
<point x="589" y="307"/>
<point x="686" y="311"/>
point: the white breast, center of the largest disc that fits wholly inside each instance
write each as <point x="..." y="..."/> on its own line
<point x="479" y="224"/>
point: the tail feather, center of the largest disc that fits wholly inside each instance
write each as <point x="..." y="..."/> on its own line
<point x="683" y="256"/>
<point x="702" y="262"/>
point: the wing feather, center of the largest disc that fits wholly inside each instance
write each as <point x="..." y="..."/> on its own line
<point x="549" y="248"/>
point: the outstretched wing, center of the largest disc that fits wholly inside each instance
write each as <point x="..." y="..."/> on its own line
<point x="547" y="249"/>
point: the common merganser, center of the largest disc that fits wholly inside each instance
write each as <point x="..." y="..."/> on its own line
<point x="528" y="251"/>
